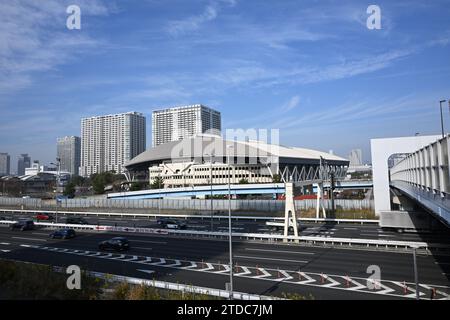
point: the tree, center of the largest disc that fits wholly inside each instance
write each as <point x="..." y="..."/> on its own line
<point x="100" y="180"/>
<point x="158" y="183"/>
<point x="69" y="190"/>
<point x="135" y="186"/>
<point x="243" y="181"/>
<point x="276" y="178"/>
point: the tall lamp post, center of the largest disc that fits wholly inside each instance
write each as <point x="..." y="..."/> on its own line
<point x="442" y="119"/>
<point x="211" y="187"/>
<point x="416" y="276"/>
<point x="229" y="225"/>
<point x="58" y="182"/>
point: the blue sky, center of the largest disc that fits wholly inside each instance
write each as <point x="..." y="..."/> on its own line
<point x="309" y="68"/>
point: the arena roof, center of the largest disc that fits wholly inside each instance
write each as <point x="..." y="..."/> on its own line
<point x="202" y="146"/>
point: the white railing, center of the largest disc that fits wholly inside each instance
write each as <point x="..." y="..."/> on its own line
<point x="181" y="287"/>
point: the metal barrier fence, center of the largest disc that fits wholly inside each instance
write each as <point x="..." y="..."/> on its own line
<point x="184" y="204"/>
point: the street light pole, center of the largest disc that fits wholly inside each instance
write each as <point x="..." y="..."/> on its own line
<point x="159" y="196"/>
<point x="416" y="276"/>
<point x="442" y="119"/>
<point x="229" y="227"/>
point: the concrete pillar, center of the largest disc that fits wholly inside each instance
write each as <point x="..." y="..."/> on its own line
<point x="289" y="210"/>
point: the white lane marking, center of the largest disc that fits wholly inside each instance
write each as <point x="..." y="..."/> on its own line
<point x="5" y="251"/>
<point x="357" y="286"/>
<point x="29" y="246"/>
<point x="264" y="273"/>
<point x="176" y="264"/>
<point x="5" y="243"/>
<point x="403" y="287"/>
<point x="332" y="282"/>
<point x="146" y="241"/>
<point x="31" y="239"/>
<point x="226" y="268"/>
<point x="244" y="272"/>
<point x="285" y="274"/>
<point x="271" y="259"/>
<point x="282" y="251"/>
<point x="350" y="228"/>
<point x="119" y="257"/>
<point x="193" y="265"/>
<point x="234" y="228"/>
<point x="142" y="248"/>
<point x="133" y="258"/>
<point x="442" y="263"/>
<point x="146" y="271"/>
<point x="209" y="266"/>
<point x="308" y="278"/>
<point x="40" y="233"/>
<point x="161" y="261"/>
<point x="380" y="285"/>
<point x="147" y="260"/>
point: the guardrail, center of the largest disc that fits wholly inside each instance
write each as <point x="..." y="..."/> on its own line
<point x="255" y="236"/>
<point x="181" y="287"/>
<point x="186" y="216"/>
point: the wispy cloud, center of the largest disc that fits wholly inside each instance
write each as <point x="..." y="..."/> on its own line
<point x="33" y="38"/>
<point x="192" y="23"/>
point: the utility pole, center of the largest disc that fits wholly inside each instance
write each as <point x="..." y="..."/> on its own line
<point x="229" y="227"/>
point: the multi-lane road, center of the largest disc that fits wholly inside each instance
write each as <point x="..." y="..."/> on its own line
<point x="260" y="267"/>
<point x="330" y="230"/>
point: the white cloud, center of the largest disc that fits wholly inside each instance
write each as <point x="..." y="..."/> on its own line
<point x="33" y="38"/>
<point x="192" y="23"/>
<point x="291" y="104"/>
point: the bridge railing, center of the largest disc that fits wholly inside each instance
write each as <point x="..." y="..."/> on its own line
<point x="426" y="168"/>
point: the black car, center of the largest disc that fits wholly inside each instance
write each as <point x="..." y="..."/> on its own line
<point x="22" y="225"/>
<point x="63" y="234"/>
<point x="76" y="220"/>
<point x="117" y="244"/>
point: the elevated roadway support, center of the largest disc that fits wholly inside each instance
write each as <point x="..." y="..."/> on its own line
<point x="289" y="211"/>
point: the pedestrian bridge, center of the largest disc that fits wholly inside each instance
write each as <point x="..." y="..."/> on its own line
<point x="423" y="176"/>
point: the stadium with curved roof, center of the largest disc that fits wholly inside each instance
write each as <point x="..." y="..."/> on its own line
<point x="202" y="159"/>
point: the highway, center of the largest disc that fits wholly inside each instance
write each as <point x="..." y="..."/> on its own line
<point x="366" y="231"/>
<point x="260" y="268"/>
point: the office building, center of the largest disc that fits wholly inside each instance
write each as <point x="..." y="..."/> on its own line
<point x="5" y="165"/>
<point x="68" y="150"/>
<point x="23" y="162"/>
<point x="178" y="123"/>
<point x="108" y="142"/>
<point x="355" y="157"/>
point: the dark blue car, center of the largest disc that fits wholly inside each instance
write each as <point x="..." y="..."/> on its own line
<point x="63" y="234"/>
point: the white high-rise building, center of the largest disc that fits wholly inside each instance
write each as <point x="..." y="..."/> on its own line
<point x="355" y="157"/>
<point x="178" y="123"/>
<point x="108" y="142"/>
<point x="68" y="150"/>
